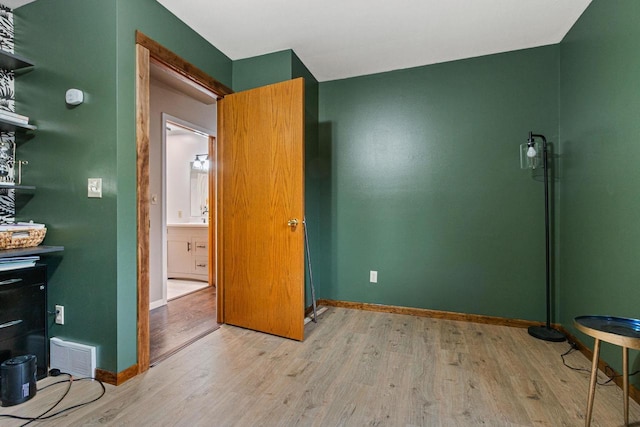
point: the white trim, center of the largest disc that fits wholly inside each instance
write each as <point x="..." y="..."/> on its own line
<point x="169" y="118"/>
<point x="160" y="302"/>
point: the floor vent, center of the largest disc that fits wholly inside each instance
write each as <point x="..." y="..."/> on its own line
<point x="76" y="359"/>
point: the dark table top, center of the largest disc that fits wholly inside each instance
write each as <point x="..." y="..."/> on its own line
<point x="610" y="324"/>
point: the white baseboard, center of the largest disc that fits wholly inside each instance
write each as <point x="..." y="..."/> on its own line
<point x="156" y="304"/>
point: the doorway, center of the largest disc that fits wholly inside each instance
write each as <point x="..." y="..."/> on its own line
<point x="182" y="286"/>
<point x="186" y="208"/>
<point x="149" y="53"/>
<point x="182" y="131"/>
<point x="272" y="114"/>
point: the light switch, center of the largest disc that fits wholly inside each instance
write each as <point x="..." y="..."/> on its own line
<point x="94" y="187"/>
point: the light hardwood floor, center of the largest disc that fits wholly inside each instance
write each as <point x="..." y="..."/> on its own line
<point x="181" y="322"/>
<point x="355" y="368"/>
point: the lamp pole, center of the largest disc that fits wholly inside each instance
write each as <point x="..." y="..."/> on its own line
<point x="546" y="333"/>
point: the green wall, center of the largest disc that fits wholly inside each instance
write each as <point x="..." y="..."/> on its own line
<point x="599" y="144"/>
<point x="413" y="173"/>
<point x="90" y="45"/>
<point x="262" y="70"/>
<point x="313" y="174"/>
<point x="425" y="185"/>
<point x="277" y="67"/>
<point x="71" y="145"/>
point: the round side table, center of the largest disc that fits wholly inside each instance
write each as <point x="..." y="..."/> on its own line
<point x="620" y="331"/>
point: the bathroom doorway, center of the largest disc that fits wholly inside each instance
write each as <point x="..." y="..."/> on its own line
<point x="182" y="293"/>
<point x="186" y="208"/>
<point x="187" y="310"/>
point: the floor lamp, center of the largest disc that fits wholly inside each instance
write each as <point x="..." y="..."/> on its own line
<point x="529" y="160"/>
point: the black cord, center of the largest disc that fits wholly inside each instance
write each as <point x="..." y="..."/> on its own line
<point x="55" y="414"/>
<point x="608" y="370"/>
<point x="66" y="392"/>
<point x="104" y="390"/>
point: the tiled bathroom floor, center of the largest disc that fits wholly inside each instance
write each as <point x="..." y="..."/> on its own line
<point x="177" y="288"/>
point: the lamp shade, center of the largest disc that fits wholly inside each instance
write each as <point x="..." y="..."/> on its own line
<point x="530" y="155"/>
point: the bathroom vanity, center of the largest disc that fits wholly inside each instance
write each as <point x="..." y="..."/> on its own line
<point x="188" y="251"/>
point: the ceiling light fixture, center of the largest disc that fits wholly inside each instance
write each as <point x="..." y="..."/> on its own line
<point x="201" y="162"/>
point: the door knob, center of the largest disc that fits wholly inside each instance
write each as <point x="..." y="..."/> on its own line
<point x="293" y="223"/>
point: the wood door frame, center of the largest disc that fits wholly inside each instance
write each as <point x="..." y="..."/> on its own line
<point x="219" y="222"/>
<point x="148" y="50"/>
<point x="213" y="219"/>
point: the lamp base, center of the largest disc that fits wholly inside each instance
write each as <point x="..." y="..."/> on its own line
<point x="546" y="334"/>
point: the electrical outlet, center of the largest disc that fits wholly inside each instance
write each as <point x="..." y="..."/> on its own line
<point x="373" y="276"/>
<point x="60" y="314"/>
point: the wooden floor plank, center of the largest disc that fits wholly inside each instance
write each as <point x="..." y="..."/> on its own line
<point x="354" y="368"/>
<point x="180" y="322"/>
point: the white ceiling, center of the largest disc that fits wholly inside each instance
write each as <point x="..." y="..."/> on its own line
<point x="15" y="3"/>
<point x="344" y="38"/>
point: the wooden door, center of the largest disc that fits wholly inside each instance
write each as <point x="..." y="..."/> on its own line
<point x="261" y="153"/>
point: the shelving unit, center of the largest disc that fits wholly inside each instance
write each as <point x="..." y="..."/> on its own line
<point x="11" y="126"/>
<point x="17" y="187"/>
<point x="15" y="62"/>
<point x="12" y="61"/>
<point x="35" y="250"/>
<point x="23" y="291"/>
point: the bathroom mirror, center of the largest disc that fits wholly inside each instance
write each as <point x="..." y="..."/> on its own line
<point x="199" y="187"/>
